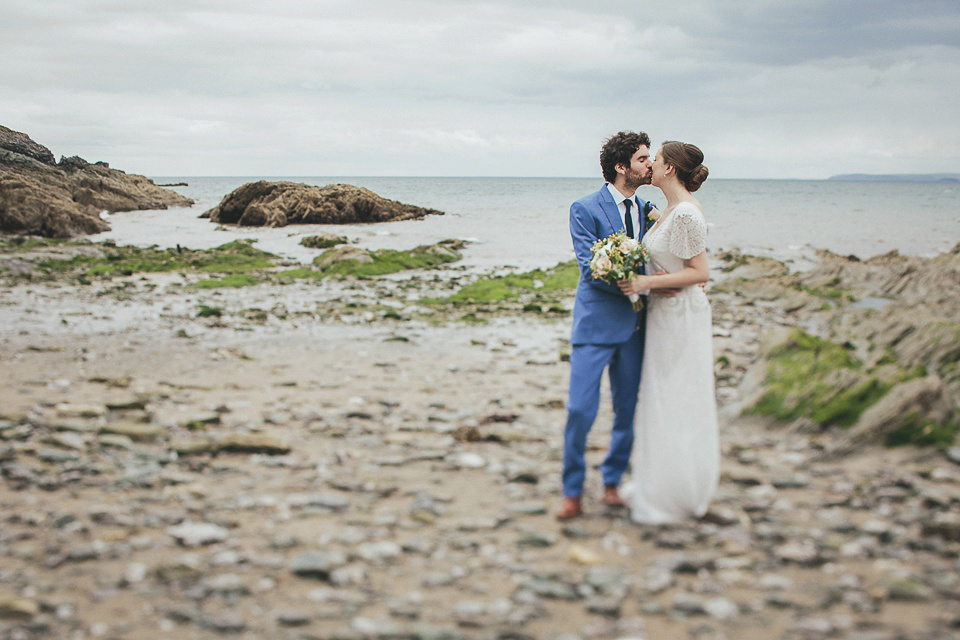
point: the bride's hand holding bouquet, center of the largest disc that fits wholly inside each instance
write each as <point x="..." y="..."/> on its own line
<point x="635" y="284"/>
<point x="617" y="258"/>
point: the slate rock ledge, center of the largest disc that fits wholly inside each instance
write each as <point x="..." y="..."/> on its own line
<point x="39" y="196"/>
<point x="277" y="204"/>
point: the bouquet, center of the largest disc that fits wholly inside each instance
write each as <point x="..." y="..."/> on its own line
<point x="617" y="257"/>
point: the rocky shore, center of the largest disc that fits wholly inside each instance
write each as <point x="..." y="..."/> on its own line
<point x="303" y="456"/>
<point x="277" y="204"/>
<point x="39" y="196"/>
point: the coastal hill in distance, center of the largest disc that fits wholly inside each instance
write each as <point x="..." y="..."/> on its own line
<point x="896" y="177"/>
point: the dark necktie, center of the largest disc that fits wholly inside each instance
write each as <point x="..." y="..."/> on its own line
<point x="628" y="217"/>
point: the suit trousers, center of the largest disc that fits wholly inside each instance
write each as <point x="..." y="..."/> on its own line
<point x="587" y="362"/>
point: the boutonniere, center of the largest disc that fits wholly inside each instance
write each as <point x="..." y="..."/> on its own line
<point x="653" y="214"/>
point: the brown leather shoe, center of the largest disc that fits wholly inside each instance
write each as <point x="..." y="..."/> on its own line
<point x="569" y="509"/>
<point x="611" y="497"/>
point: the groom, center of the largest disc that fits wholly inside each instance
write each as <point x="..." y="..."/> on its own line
<point x="607" y="332"/>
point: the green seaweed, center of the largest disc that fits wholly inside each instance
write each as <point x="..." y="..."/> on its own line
<point x="917" y="431"/>
<point x="544" y="284"/>
<point x="233" y="257"/>
<point x="231" y="281"/>
<point x="13" y="244"/>
<point x="387" y="261"/>
<point x="802" y="382"/>
<point x="299" y="274"/>
<point x="207" y="312"/>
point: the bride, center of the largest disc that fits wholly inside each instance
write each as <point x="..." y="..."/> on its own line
<point x="676" y="455"/>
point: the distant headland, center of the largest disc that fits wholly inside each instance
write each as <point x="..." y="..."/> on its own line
<point x="896" y="177"/>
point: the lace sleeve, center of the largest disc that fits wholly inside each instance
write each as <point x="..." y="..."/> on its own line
<point x="688" y="233"/>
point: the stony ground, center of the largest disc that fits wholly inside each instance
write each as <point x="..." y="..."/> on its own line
<point x="349" y="477"/>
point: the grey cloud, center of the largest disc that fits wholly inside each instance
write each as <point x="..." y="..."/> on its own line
<point x="456" y="86"/>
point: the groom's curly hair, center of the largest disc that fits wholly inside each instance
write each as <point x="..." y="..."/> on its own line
<point x="618" y="149"/>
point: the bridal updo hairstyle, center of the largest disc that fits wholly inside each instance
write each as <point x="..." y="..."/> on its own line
<point x="619" y="149"/>
<point x="687" y="160"/>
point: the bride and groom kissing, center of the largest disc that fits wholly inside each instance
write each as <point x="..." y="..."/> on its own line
<point x="659" y="359"/>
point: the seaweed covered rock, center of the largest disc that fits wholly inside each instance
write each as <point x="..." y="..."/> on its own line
<point x="39" y="196"/>
<point x="277" y="204"/>
<point x="885" y="360"/>
<point x="323" y="241"/>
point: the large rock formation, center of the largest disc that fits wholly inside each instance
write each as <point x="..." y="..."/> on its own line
<point x="39" y="196"/>
<point x="276" y="204"/>
<point x="885" y="363"/>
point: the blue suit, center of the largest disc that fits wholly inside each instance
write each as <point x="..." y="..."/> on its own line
<point x="607" y="332"/>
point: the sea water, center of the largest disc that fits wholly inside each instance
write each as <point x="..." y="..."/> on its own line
<point x="523" y="222"/>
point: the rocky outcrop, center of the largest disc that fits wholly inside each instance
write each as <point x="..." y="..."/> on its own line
<point x="277" y="204"/>
<point x="895" y="318"/>
<point x="39" y="196"/>
<point x="925" y="397"/>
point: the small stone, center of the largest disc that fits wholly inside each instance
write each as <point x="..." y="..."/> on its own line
<point x="379" y="551"/>
<point x="795" y="481"/>
<point x="804" y="553"/>
<point x="18" y="609"/>
<point x="467" y="460"/>
<point x="191" y="446"/>
<point x="127" y="404"/>
<point x="909" y="589"/>
<point x="185" y="569"/>
<point x="527" y="509"/>
<point x="317" y="564"/>
<point x="721" y="608"/>
<point x="226" y="584"/>
<point x="375" y="628"/>
<point x="577" y="531"/>
<point x="228" y="623"/>
<point x="723" y="516"/>
<point x="953" y="454"/>
<point x="946" y="526"/>
<point x="134" y="573"/>
<point x="657" y="579"/>
<point x="82" y="553"/>
<point x="226" y="559"/>
<point x="194" y="534"/>
<point x="604" y="606"/>
<point x="135" y="431"/>
<point x="581" y="555"/>
<point x="607" y="580"/>
<point x="536" y="540"/>
<point x="57" y="456"/>
<point x="688" y="604"/>
<point x="109" y="440"/>
<point x="201" y="421"/>
<point x="409" y="608"/>
<point x="554" y="589"/>
<point x="252" y="443"/>
<point x="81" y="410"/>
<point x="293" y="619"/>
<point x="69" y="440"/>
<point x="425" y="509"/>
<point x="813" y="625"/>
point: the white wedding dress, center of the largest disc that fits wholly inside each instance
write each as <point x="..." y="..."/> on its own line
<point x="675" y="465"/>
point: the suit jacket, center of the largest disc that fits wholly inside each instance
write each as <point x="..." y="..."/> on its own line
<point x="602" y="314"/>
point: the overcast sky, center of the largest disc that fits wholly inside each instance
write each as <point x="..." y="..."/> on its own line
<point x="767" y="88"/>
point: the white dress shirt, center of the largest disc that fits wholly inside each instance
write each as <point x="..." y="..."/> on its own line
<point x="622" y="208"/>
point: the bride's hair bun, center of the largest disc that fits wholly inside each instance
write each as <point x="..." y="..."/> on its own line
<point x="699" y="174"/>
<point x="687" y="159"/>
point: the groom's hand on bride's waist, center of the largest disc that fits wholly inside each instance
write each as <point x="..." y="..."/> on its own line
<point x="665" y="292"/>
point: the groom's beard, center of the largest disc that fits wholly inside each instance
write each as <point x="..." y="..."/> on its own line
<point x="635" y="180"/>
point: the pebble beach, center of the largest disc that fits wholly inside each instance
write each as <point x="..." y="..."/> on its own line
<point x="305" y="465"/>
